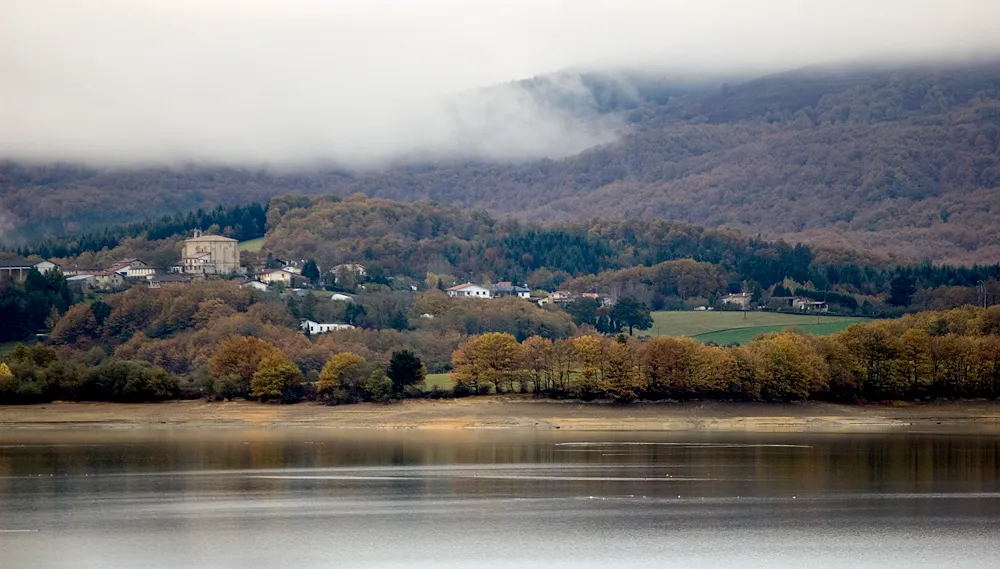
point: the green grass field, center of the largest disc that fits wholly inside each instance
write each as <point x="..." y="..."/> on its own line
<point x="7" y="348"/>
<point x="744" y="335"/>
<point x="252" y="245"/>
<point x="439" y="380"/>
<point x="732" y="327"/>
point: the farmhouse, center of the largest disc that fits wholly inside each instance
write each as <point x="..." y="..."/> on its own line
<point x="809" y="305"/>
<point x="505" y="288"/>
<point x="313" y="327"/>
<point x="468" y="290"/>
<point x="287" y="278"/>
<point x="133" y="268"/>
<point x="18" y="269"/>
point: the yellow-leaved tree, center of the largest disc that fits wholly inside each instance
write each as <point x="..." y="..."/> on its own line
<point x="500" y="358"/>
<point x="341" y="378"/>
<point x="276" y="378"/>
<point x="8" y="384"/>
<point x="623" y="380"/>
<point x="234" y="363"/>
<point x="589" y="362"/>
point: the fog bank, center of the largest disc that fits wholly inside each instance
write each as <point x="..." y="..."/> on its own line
<point x="361" y="83"/>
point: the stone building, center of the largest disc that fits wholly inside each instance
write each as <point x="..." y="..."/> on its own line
<point x="210" y="254"/>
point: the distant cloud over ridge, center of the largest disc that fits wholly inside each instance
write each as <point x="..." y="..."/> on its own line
<point x="365" y="82"/>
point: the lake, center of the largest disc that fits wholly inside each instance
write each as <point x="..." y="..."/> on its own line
<point x="287" y="498"/>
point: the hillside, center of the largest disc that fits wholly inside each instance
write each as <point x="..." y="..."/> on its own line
<point x="903" y="161"/>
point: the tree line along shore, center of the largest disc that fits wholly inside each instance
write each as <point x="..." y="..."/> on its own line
<point x="930" y="355"/>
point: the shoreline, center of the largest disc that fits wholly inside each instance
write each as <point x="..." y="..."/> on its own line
<point x="517" y="413"/>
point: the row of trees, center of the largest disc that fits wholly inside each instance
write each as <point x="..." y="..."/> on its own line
<point x="949" y="354"/>
<point x="36" y="374"/>
<point x="248" y="367"/>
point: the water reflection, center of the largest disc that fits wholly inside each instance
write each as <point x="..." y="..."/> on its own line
<point x="314" y="498"/>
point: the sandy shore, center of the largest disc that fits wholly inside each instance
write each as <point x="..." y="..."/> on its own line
<point x="518" y="413"/>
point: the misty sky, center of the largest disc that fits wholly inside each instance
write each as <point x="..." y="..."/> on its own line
<point x="360" y="82"/>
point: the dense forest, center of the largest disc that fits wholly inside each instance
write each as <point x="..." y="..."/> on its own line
<point x="250" y="354"/>
<point x="889" y="160"/>
<point x="662" y="263"/>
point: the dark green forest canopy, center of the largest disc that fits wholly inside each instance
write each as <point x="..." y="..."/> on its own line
<point x="240" y="222"/>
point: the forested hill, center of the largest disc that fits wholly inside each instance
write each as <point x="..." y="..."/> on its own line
<point x="903" y="160"/>
<point x="433" y="243"/>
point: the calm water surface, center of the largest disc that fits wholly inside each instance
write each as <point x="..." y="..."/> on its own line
<point x="310" y="499"/>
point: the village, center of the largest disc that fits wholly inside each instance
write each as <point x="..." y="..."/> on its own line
<point x="210" y="256"/>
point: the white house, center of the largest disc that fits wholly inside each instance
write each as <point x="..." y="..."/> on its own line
<point x="317" y="328"/>
<point x="133" y="268"/>
<point x="45" y="266"/>
<point x="255" y="285"/>
<point x="337" y="297"/>
<point x="808" y="305"/>
<point x="468" y="290"/>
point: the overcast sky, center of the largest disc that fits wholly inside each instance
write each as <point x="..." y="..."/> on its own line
<point x="359" y="81"/>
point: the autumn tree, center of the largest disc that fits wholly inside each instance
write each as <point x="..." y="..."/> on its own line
<point x="875" y="348"/>
<point x="8" y="383"/>
<point x="234" y="363"/>
<point x="341" y="379"/>
<point x="621" y="377"/>
<point x="500" y="360"/>
<point x="915" y="361"/>
<point x="667" y="364"/>
<point x="466" y="373"/>
<point x="788" y="367"/>
<point x="537" y="362"/>
<point x="588" y="352"/>
<point x="276" y="378"/>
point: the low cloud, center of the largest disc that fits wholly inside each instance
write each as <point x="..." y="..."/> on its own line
<point x="366" y="82"/>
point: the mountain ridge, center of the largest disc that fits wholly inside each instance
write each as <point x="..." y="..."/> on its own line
<point x="902" y="160"/>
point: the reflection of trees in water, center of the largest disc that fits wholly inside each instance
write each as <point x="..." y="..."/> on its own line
<point x="529" y="465"/>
